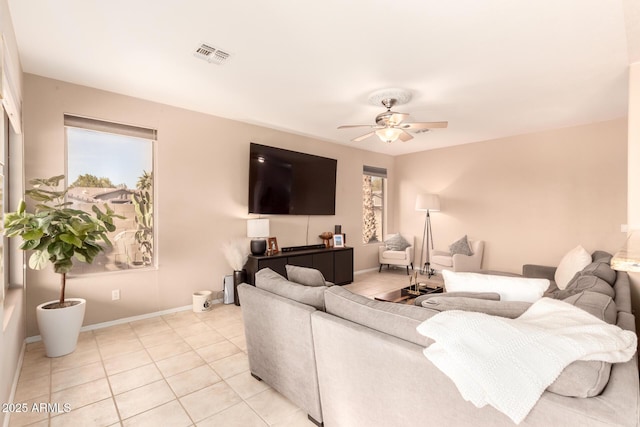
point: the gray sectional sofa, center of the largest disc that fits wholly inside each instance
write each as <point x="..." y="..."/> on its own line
<point x="351" y="361"/>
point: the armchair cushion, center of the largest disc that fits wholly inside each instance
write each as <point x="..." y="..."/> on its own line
<point x="396" y="242"/>
<point x="461" y="246"/>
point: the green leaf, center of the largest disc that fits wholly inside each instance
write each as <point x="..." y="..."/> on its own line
<point x="63" y="266"/>
<point x="71" y="239"/>
<point x="33" y="234"/>
<point x="29" y="244"/>
<point x="38" y="260"/>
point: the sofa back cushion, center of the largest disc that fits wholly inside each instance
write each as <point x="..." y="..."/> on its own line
<point x="398" y="320"/>
<point x="587" y="378"/>
<point x="583" y="283"/>
<point x="271" y="281"/>
<point x="305" y="276"/>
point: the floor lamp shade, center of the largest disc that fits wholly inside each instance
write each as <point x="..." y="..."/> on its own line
<point x="428" y="202"/>
<point x="258" y="229"/>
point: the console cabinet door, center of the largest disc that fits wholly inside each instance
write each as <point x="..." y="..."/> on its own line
<point x="276" y="264"/>
<point x="343" y="266"/>
<point x="324" y="263"/>
<point x="301" y="260"/>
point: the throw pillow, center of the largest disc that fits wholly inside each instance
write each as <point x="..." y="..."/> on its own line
<point x="305" y="276"/>
<point x="573" y="262"/>
<point x="271" y="281"/>
<point x="396" y="243"/>
<point x="461" y="246"/>
<point x="601" y="270"/>
<point x="509" y="288"/>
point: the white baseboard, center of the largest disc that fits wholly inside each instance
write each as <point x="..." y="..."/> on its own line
<point x="14" y="385"/>
<point x="102" y="325"/>
<point x="367" y="270"/>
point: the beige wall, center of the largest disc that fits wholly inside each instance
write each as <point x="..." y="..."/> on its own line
<point x="530" y="197"/>
<point x="201" y="177"/>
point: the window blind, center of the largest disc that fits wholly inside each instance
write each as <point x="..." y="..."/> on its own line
<point x="374" y="171"/>
<point x="109" y="127"/>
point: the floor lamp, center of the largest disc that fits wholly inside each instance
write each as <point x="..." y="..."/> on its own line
<point x="427" y="203"/>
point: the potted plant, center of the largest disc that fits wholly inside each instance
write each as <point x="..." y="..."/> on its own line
<point x="57" y="233"/>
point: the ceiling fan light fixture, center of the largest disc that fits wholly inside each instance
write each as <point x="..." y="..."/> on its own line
<point x="388" y="134"/>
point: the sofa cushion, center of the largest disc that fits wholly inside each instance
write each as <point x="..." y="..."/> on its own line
<point x="585" y="283"/>
<point x="271" y="281"/>
<point x="394" y="255"/>
<point x="396" y="242"/>
<point x="510" y="309"/>
<point x="445" y="260"/>
<point x="398" y="320"/>
<point x="461" y="246"/>
<point x="587" y="378"/>
<point x="601" y="270"/>
<point x="305" y="276"/>
<point x="571" y="263"/>
<point x="509" y="288"/>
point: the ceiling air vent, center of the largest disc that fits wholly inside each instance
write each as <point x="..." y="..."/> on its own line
<point x="211" y="54"/>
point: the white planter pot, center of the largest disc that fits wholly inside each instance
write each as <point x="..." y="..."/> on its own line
<point x="60" y="327"/>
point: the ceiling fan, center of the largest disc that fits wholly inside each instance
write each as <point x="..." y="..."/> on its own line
<point x="390" y="125"/>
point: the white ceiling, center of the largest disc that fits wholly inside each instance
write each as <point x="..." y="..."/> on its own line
<point x="492" y="68"/>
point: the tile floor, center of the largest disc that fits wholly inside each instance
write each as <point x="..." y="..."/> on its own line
<point x="181" y="369"/>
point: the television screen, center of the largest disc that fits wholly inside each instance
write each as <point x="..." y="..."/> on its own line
<point x="290" y="183"/>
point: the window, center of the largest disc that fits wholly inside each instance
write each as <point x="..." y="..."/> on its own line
<point x="113" y="164"/>
<point x="374" y="182"/>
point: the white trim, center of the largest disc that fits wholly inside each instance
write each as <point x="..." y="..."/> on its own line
<point x="102" y="325"/>
<point x="14" y="386"/>
<point x="367" y="270"/>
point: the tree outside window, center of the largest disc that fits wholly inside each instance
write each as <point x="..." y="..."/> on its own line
<point x="373" y="200"/>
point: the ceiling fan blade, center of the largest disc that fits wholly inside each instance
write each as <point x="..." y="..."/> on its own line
<point x="361" y="137"/>
<point x="355" y="126"/>
<point x="405" y="136"/>
<point x="424" y="125"/>
<point x="396" y="118"/>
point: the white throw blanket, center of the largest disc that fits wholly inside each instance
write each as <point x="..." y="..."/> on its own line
<point x="508" y="363"/>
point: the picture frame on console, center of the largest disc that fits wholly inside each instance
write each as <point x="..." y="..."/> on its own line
<point x="272" y="246"/>
<point x="338" y="241"/>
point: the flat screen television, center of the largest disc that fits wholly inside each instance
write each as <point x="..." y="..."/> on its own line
<point x="287" y="182"/>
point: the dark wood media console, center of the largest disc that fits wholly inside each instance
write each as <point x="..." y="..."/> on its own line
<point x="336" y="264"/>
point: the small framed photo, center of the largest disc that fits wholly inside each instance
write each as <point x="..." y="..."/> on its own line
<point x="272" y="246"/>
<point x="338" y="241"/>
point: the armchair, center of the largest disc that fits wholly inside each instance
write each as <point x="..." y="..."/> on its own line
<point x="441" y="260"/>
<point x="402" y="258"/>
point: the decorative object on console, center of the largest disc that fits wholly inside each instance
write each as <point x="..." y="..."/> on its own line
<point x="326" y="238"/>
<point x="337" y="229"/>
<point x="273" y="246"/>
<point x="427" y="203"/>
<point x="628" y="258"/>
<point x="338" y="241"/>
<point x="258" y="230"/>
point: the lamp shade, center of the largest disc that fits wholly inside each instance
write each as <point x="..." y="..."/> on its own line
<point x="258" y="227"/>
<point x="388" y="134"/>
<point x="428" y="202"/>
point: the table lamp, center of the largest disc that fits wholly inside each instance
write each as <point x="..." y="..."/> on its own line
<point x="258" y="230"/>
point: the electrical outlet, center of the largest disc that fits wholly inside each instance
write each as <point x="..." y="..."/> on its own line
<point x="115" y="294"/>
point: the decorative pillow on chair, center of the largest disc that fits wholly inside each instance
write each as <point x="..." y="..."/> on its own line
<point x="305" y="276"/>
<point x="509" y="288"/>
<point x="396" y="243"/>
<point x="573" y="261"/>
<point x="461" y="246"/>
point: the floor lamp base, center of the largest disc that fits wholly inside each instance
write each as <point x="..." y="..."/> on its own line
<point x="426" y="269"/>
